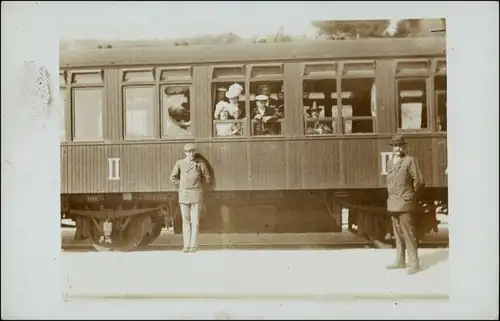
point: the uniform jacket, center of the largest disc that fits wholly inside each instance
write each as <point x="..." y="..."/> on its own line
<point x="268" y="111"/>
<point x="404" y="182"/>
<point x="190" y="177"/>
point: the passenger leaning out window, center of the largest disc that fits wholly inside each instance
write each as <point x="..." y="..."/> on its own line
<point x="265" y="117"/>
<point x="315" y="126"/>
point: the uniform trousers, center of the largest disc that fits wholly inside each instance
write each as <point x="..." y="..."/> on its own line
<point x="190" y="223"/>
<point x="404" y="232"/>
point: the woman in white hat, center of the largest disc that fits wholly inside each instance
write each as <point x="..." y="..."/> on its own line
<point x="233" y="108"/>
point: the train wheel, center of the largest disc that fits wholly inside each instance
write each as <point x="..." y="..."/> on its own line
<point x="123" y="234"/>
<point x="158" y="223"/>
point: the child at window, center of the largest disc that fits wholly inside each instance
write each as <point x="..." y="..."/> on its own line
<point x="227" y="129"/>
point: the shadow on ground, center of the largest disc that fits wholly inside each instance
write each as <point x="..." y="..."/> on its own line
<point x="433" y="258"/>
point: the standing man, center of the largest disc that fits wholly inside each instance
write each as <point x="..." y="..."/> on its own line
<point x="404" y="182"/>
<point x="189" y="176"/>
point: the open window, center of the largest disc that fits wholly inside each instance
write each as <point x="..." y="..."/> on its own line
<point x="358" y="105"/>
<point x="176" y="111"/>
<point x="412" y="104"/>
<point x="320" y="106"/>
<point x="229" y="108"/>
<point x="267" y="107"/>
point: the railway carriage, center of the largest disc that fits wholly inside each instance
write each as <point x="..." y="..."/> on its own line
<point x="127" y="112"/>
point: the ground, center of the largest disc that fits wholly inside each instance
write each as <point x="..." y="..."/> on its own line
<point x="293" y="274"/>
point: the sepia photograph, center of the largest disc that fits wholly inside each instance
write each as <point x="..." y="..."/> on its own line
<point x="233" y="155"/>
<point x="330" y="142"/>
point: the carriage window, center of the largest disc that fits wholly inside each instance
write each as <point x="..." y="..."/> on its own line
<point x="182" y="73"/>
<point x="62" y="109"/>
<point x="87" y="104"/>
<point x="412" y="67"/>
<point x="441" y="103"/>
<point x="87" y="77"/>
<point x="138" y="75"/>
<point x="320" y="107"/>
<point x="228" y="112"/>
<point x="176" y="111"/>
<point x="267" y="107"/>
<point x="224" y="72"/>
<point x="412" y="113"/>
<point x="358" y="105"/>
<point x="139" y="109"/>
<point x="328" y="69"/>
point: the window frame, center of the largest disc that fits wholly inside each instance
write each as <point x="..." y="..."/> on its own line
<point x="176" y="83"/>
<point x="180" y="81"/>
<point x="122" y="101"/>
<point x="433" y="70"/>
<point x="334" y="120"/>
<point x="154" y="121"/>
<point x="71" y="87"/>
<point x="214" y="83"/>
<point x="340" y="104"/>
<point x="157" y="83"/>
<point x="338" y="75"/>
<point x="428" y="129"/>
<point x="266" y="79"/>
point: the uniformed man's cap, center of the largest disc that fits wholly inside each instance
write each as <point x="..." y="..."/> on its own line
<point x="189" y="147"/>
<point x="261" y="97"/>
<point x="397" y="140"/>
<point x="222" y="89"/>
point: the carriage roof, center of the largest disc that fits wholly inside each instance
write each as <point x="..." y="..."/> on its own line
<point x="162" y="52"/>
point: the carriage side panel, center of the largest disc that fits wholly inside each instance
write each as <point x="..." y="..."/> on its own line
<point x="319" y="166"/>
<point x="267" y="165"/>
<point x="201" y="109"/>
<point x="440" y="157"/>
<point x="113" y="111"/>
<point x="359" y="163"/>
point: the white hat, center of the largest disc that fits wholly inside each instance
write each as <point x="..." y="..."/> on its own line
<point x="261" y="97"/>
<point x="234" y="90"/>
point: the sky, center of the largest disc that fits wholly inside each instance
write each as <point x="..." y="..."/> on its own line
<point x="163" y="20"/>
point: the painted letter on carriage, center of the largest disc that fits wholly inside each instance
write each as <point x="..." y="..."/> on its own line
<point x="384" y="158"/>
<point x="113" y="169"/>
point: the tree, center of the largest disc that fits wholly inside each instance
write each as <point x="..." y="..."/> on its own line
<point x="407" y="28"/>
<point x="351" y="28"/>
<point x="281" y="36"/>
<point x="419" y="27"/>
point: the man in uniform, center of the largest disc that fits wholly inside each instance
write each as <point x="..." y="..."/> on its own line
<point x="189" y="176"/>
<point x="264" y="115"/>
<point x="404" y="182"/>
